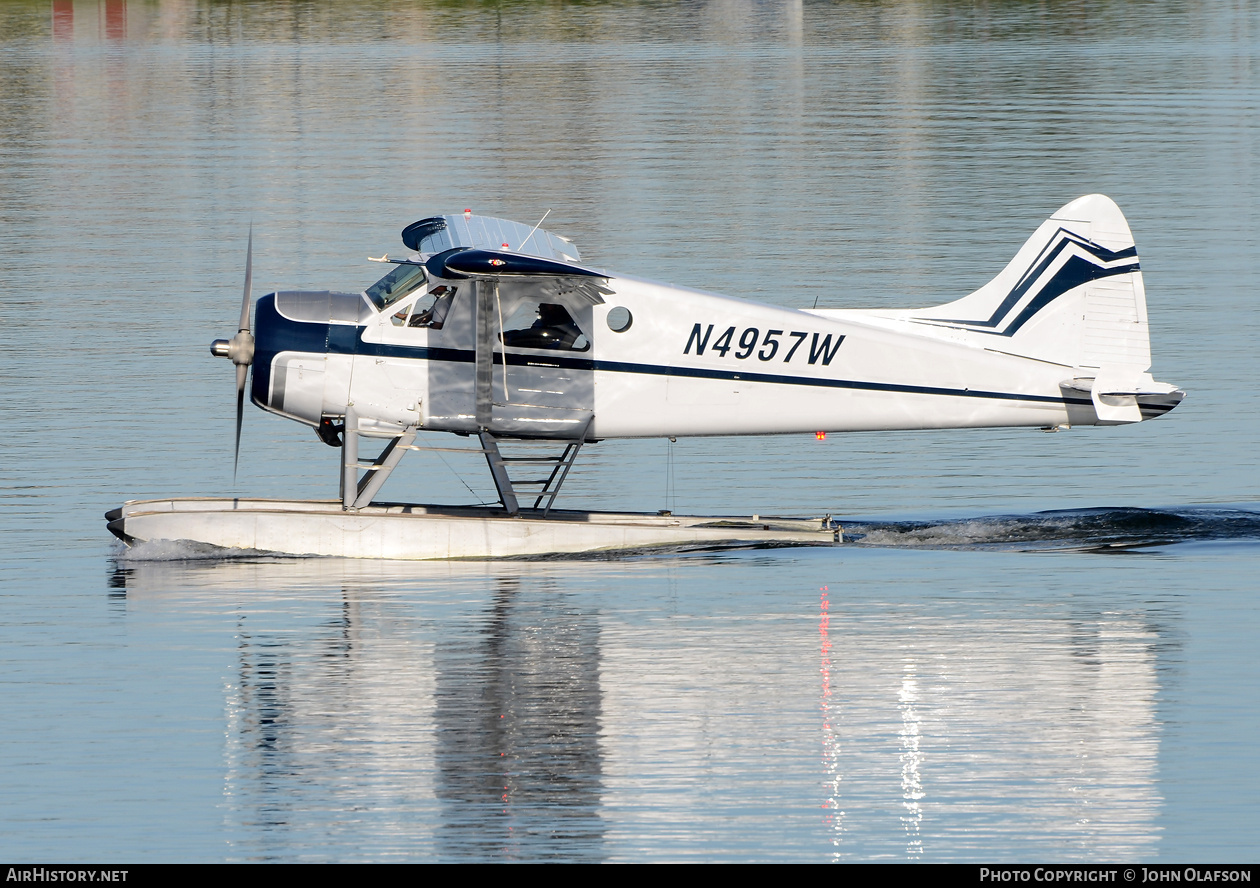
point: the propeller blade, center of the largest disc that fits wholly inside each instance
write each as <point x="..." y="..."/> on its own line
<point x="245" y="347"/>
<point x="249" y="281"/>
<point x="240" y="415"/>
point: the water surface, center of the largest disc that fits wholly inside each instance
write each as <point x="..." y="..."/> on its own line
<point x="1036" y="647"/>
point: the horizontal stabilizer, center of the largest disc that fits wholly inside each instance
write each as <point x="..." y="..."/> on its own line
<point x="1122" y="394"/>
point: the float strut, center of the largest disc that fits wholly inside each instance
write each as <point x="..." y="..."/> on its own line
<point x="350" y="460"/>
<point x="498" y="471"/>
<point x="385" y="463"/>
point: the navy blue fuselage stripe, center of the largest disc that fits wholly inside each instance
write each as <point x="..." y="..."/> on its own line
<point x="468" y="356"/>
<point x="858" y="385"/>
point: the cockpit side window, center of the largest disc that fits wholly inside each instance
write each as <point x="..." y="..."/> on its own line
<point x="401" y="280"/>
<point x="432" y="308"/>
<point x="399" y="318"/>
<point x="544" y="325"/>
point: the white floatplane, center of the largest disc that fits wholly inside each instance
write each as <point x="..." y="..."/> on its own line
<point x="496" y="330"/>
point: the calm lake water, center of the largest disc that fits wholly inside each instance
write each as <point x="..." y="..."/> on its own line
<point x="1037" y="647"/>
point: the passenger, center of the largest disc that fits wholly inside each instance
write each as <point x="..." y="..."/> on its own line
<point x="555" y="322"/>
<point x="553" y="329"/>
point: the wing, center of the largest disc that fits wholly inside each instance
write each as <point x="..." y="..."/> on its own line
<point x="548" y="277"/>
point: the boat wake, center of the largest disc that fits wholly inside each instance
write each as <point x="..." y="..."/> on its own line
<point x="187" y="550"/>
<point x="1097" y="530"/>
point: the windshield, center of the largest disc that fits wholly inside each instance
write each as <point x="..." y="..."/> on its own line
<point x="398" y="283"/>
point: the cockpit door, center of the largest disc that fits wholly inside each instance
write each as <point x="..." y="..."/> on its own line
<point x="534" y="375"/>
<point x="452" y="352"/>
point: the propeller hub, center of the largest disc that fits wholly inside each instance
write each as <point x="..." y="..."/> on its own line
<point x="241" y="349"/>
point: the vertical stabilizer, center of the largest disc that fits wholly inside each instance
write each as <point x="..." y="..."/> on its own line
<point x="1072" y="295"/>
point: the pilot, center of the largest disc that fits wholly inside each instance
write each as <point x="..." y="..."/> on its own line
<point x="435" y="315"/>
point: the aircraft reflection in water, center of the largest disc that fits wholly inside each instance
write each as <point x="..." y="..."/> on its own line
<point x="488" y="735"/>
<point x="495" y="716"/>
<point x="517" y="722"/>
<point x="1017" y="730"/>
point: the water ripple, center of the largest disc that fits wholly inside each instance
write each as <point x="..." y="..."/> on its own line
<point x="1096" y="529"/>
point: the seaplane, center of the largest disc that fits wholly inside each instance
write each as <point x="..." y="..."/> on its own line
<point x="497" y="332"/>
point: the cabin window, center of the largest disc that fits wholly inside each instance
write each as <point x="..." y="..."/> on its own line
<point x="620" y="319"/>
<point x="543" y="325"/>
<point x="399" y="282"/>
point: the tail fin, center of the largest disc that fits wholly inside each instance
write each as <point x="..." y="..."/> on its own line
<point x="1072" y="295"/>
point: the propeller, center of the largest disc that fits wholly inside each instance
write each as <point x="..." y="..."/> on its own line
<point x="240" y="349"/>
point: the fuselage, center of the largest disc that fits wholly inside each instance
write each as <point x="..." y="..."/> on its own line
<point x="683" y="363"/>
<point x="469" y="336"/>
